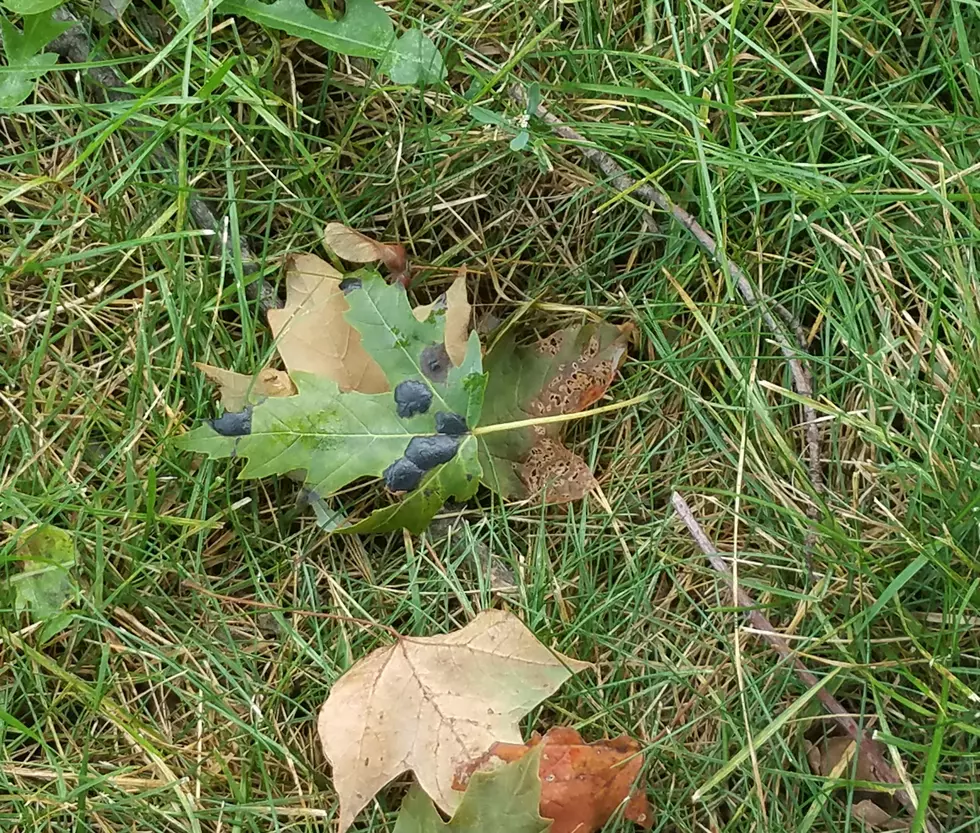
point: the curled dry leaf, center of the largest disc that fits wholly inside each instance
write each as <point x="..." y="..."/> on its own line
<point x="312" y="333"/>
<point x="430" y="704"/>
<point x="582" y="784"/>
<point x="563" y="373"/>
<point x="351" y="245"/>
<point x="832" y="757"/>
<point x="238" y="390"/>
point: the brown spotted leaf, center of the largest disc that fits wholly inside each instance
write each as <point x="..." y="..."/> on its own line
<point x="563" y="373"/>
<point x="582" y="784"/>
<point x="356" y="247"/>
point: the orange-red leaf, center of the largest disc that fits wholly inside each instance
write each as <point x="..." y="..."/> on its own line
<point x="582" y="784"/>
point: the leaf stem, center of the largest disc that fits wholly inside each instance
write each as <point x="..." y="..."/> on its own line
<point x="481" y="430"/>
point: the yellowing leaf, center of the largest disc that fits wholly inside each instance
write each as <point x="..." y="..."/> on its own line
<point x="351" y="245"/>
<point x="502" y="800"/>
<point x="457" y="310"/>
<point x="431" y="704"/>
<point x="45" y="584"/>
<point x="237" y="389"/>
<point x="313" y="336"/>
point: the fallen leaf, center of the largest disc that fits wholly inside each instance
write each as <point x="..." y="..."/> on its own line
<point x="877" y="817"/>
<point x="832" y="757"/>
<point x="351" y="245"/>
<point x="415" y="437"/>
<point x="45" y="584"/>
<point x="502" y="800"/>
<point x="238" y="390"/>
<point x="582" y="784"/>
<point x="312" y="333"/>
<point x="455" y="305"/>
<point x="825" y="756"/>
<point x="563" y="373"/>
<point x="430" y="704"/>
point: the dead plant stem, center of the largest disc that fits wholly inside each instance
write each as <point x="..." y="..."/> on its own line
<point x="872" y="751"/>
<point x="785" y="328"/>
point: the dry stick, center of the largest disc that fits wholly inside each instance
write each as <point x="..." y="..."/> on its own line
<point x="791" y="345"/>
<point x="74" y="46"/>
<point x="872" y="751"/>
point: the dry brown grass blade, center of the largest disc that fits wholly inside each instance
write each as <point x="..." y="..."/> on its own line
<point x="872" y="752"/>
<point x="784" y="326"/>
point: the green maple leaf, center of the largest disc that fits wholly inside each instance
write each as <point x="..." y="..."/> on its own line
<point x="504" y="798"/>
<point x="338" y="437"/>
<point x="23" y="50"/>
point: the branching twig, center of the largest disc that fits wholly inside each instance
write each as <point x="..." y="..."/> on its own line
<point x="871" y="750"/>
<point x="74" y="46"/>
<point x="786" y="330"/>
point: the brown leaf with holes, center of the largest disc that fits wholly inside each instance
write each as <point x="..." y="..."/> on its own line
<point x="237" y="389"/>
<point x="456" y="306"/>
<point x="356" y="247"/>
<point x="582" y="784"/>
<point x="312" y="334"/>
<point x="430" y="704"/>
<point x="832" y="757"/>
<point x="563" y="373"/>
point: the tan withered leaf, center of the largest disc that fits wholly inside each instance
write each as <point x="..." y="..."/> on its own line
<point x="582" y="784"/>
<point x="356" y="247"/>
<point x="237" y="389"/>
<point x="430" y="704"/>
<point x="457" y="308"/>
<point x="312" y="334"/>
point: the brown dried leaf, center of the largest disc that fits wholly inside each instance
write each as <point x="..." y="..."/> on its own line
<point x="312" y="334"/>
<point x="877" y="817"/>
<point x="832" y="757"/>
<point x="237" y="389"/>
<point x="351" y="245"/>
<point x="430" y="704"/>
<point x="582" y="784"/>
<point x="825" y="756"/>
<point x="458" y="309"/>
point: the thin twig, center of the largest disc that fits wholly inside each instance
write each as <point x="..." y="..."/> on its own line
<point x="74" y="46"/>
<point x="873" y="752"/>
<point x="787" y="331"/>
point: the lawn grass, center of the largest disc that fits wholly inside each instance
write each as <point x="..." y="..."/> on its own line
<point x="833" y="150"/>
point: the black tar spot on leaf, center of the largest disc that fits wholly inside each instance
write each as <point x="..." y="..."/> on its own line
<point x="412" y="397"/>
<point x="234" y="423"/>
<point x="435" y="362"/>
<point x="428" y="452"/>
<point x="448" y="423"/>
<point x="402" y="475"/>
